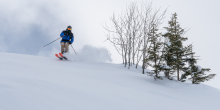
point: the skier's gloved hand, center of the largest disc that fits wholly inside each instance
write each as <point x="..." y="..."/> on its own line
<point x="70" y="42"/>
<point x="65" y="33"/>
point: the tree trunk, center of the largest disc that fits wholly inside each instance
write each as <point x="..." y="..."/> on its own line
<point x="178" y="70"/>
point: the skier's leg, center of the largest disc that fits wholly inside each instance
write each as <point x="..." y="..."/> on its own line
<point x="67" y="47"/>
<point x="62" y="46"/>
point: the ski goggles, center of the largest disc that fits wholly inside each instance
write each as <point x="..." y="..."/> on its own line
<point x="69" y="28"/>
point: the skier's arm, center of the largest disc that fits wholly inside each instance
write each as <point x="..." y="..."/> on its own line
<point x="72" y="39"/>
<point x="62" y="34"/>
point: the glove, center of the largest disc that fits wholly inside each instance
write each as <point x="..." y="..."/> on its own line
<point x="70" y="42"/>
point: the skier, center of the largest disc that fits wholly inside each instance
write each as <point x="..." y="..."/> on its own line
<point x="67" y="39"/>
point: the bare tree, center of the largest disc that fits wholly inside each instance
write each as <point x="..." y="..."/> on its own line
<point x="123" y="34"/>
<point x="150" y="19"/>
<point x="129" y="34"/>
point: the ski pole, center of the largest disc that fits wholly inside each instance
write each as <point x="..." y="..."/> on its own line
<point x="73" y="49"/>
<point x="51" y="42"/>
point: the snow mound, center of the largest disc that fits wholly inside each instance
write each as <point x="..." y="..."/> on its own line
<point x="40" y="83"/>
<point x="91" y="54"/>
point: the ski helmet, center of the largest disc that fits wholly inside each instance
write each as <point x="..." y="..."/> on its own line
<point x="69" y="27"/>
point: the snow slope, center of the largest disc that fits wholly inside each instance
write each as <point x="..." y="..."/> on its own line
<point x="44" y="83"/>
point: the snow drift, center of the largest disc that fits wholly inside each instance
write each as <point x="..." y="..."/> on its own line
<point x="42" y="83"/>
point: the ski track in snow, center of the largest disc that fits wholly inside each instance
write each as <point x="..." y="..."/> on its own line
<point x="43" y="83"/>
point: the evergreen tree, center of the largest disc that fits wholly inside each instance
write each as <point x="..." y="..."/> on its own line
<point x="154" y="58"/>
<point x="195" y="71"/>
<point x="175" y="51"/>
<point x="169" y="60"/>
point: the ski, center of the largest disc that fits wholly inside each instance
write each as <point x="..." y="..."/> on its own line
<point x="58" y="57"/>
<point x="63" y="56"/>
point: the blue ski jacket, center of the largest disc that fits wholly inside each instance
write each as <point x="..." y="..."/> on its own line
<point x="67" y="36"/>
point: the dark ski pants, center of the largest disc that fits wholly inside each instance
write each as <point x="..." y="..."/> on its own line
<point x="64" y="46"/>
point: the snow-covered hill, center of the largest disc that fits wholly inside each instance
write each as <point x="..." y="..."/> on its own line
<point x="44" y="83"/>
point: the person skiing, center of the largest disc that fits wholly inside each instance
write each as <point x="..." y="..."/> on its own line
<point x="67" y="39"/>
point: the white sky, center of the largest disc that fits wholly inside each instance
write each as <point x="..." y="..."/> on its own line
<point x="27" y="25"/>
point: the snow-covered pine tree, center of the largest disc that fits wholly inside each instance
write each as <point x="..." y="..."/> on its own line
<point x="191" y="60"/>
<point x="175" y="51"/>
<point x="195" y="71"/>
<point x="199" y="75"/>
<point x="154" y="58"/>
<point x="168" y="59"/>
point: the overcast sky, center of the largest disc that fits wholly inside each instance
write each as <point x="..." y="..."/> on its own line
<point x="28" y="25"/>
